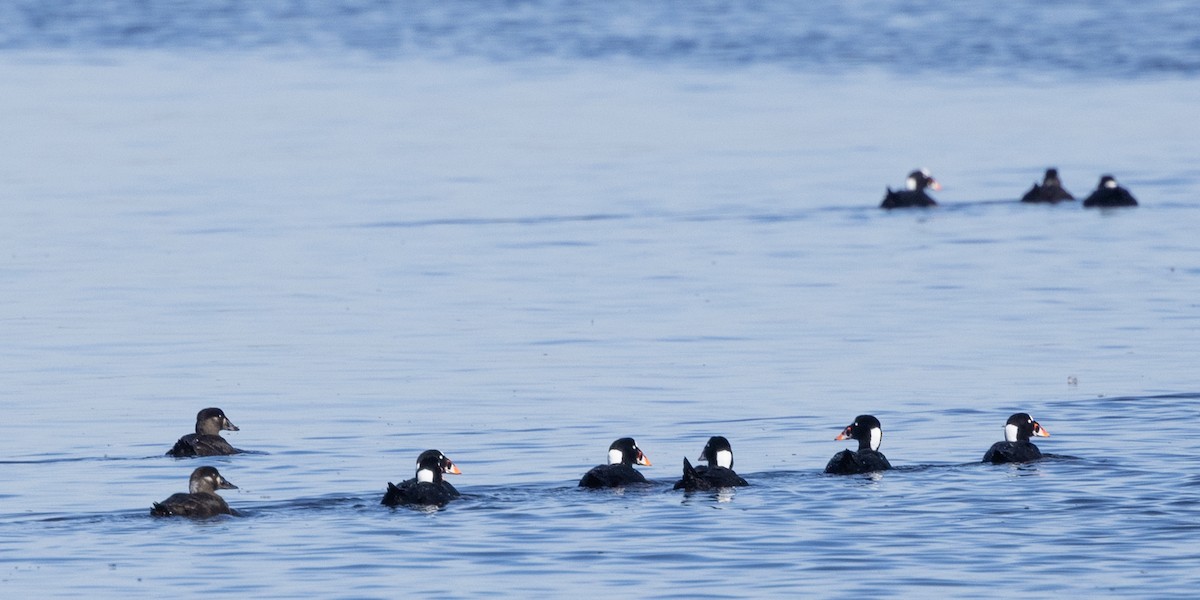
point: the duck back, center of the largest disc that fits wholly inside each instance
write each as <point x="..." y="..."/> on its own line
<point x="1046" y="193"/>
<point x="200" y="505"/>
<point x="609" y="476"/>
<point x="1110" y="197"/>
<point x="707" y="478"/>
<point x="426" y="493"/>
<point x="849" y="462"/>
<point x="202" y="444"/>
<point x="906" y="199"/>
<point x="1012" y="452"/>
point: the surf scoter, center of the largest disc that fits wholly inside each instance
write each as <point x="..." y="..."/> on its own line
<point x="914" y="193"/>
<point x="869" y="433"/>
<point x="428" y="487"/>
<point x="201" y="501"/>
<point x="1109" y="193"/>
<point x="207" y="440"/>
<point x="619" y="471"/>
<point x="1016" y="446"/>
<point x="717" y="474"/>
<point x="1050" y="190"/>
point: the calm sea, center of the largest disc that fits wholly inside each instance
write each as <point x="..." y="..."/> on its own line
<point x="518" y="231"/>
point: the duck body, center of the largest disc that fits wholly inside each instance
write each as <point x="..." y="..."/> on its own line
<point x="207" y="440"/>
<point x="851" y="462"/>
<point x="1109" y="195"/>
<point x="1050" y="190"/>
<point x="703" y="478"/>
<point x="428" y="488"/>
<point x="867" y="459"/>
<point x="199" y="506"/>
<point x="619" y="471"/>
<point x="610" y="476"/>
<point x="718" y="473"/>
<point x="1012" y="452"/>
<point x="202" y="444"/>
<point x="420" y="492"/>
<point x="906" y="199"/>
<point x="201" y="501"/>
<point x="1016" y="447"/>
<point x="914" y="195"/>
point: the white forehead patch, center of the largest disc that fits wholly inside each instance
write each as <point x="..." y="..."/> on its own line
<point x="615" y="457"/>
<point x="1010" y="433"/>
<point x="876" y="437"/>
<point x="725" y="459"/>
<point x="425" y="475"/>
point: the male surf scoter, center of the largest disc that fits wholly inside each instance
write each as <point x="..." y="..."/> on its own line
<point x="1108" y="193"/>
<point x="1050" y="190"/>
<point x="914" y="193"/>
<point x="428" y="487"/>
<point x="207" y="440"/>
<point x="719" y="472"/>
<point x="201" y="501"/>
<point x="1016" y="446"/>
<point x="619" y="471"/>
<point x="869" y="433"/>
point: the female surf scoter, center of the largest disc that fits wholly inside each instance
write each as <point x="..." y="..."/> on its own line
<point x="914" y="192"/>
<point x="1050" y="190"/>
<point x="1108" y="193"/>
<point x="719" y="472"/>
<point x="428" y="487"/>
<point x="201" y="501"/>
<point x="869" y="433"/>
<point x="619" y="471"/>
<point x="1016" y="446"/>
<point x="207" y="440"/>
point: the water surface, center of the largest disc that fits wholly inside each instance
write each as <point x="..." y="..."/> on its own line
<point x="515" y="235"/>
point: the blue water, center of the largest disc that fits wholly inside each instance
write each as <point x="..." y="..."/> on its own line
<point x="515" y="232"/>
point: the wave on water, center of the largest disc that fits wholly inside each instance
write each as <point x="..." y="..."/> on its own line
<point x="1105" y="38"/>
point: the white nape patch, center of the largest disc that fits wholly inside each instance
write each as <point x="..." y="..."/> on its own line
<point x="911" y="184"/>
<point x="425" y="475"/>
<point x="725" y="459"/>
<point x="615" y="457"/>
<point x="1110" y="184"/>
<point x="1010" y="433"/>
<point x="876" y="437"/>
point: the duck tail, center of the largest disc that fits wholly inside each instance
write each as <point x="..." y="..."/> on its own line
<point x="689" y="472"/>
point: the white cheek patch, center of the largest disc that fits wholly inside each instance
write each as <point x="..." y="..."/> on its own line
<point x="615" y="457"/>
<point x="725" y="459"/>
<point x="1010" y="433"/>
<point x="876" y="437"/>
<point x="425" y="476"/>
